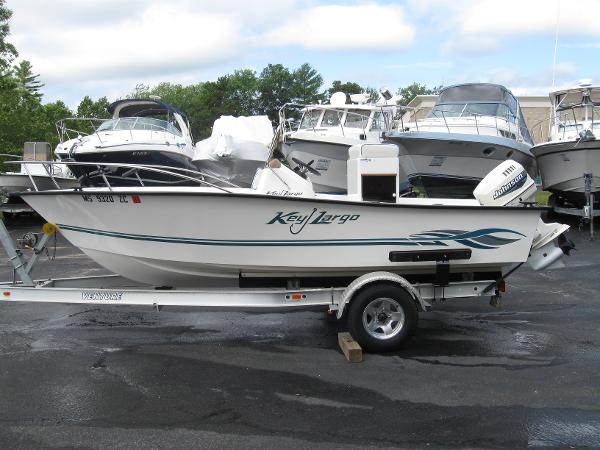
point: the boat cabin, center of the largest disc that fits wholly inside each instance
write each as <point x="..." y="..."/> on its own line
<point x="347" y="114"/>
<point x="576" y="111"/>
<point x="490" y="108"/>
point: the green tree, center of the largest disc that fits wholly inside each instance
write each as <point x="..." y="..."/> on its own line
<point x="27" y="81"/>
<point x="8" y="52"/>
<point x="274" y="89"/>
<point x="307" y="84"/>
<point x="46" y="118"/>
<point x="93" y="109"/>
<point x="348" y="87"/>
<point x="242" y="92"/>
<point x="90" y="112"/>
<point x="277" y="86"/>
<point x="409" y="92"/>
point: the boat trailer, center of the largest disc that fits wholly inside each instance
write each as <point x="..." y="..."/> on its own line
<point x="587" y="212"/>
<point x="381" y="307"/>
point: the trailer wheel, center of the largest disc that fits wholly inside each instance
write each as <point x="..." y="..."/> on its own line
<point x="381" y="317"/>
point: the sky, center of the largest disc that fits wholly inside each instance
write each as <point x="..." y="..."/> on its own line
<point x="107" y="47"/>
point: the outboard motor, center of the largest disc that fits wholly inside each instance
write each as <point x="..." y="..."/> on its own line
<point x="509" y="184"/>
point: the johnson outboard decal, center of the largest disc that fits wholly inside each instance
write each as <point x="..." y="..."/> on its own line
<point x="511" y="186"/>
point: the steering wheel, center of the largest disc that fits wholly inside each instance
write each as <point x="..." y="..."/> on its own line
<point x="306" y="167"/>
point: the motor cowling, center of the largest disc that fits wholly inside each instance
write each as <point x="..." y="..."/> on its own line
<point x="508" y="184"/>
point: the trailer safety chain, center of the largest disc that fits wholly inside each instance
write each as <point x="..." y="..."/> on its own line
<point x="53" y="257"/>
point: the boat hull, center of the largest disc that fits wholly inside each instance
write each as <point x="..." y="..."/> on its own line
<point x="198" y="236"/>
<point x="562" y="165"/>
<point x="450" y="165"/>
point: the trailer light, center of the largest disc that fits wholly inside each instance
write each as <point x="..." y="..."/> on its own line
<point x="295" y="296"/>
<point x="6" y="293"/>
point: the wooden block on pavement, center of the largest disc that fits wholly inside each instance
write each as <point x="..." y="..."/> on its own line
<point x="350" y="347"/>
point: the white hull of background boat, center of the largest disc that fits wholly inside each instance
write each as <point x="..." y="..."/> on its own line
<point x="451" y="165"/>
<point x="563" y="163"/>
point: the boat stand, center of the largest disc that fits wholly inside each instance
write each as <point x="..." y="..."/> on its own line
<point x="587" y="213"/>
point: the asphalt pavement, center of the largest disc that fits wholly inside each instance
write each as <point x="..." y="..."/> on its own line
<point x="87" y="376"/>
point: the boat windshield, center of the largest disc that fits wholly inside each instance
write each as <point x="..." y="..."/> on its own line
<point x="357" y="118"/>
<point x="310" y="119"/>
<point x="381" y="120"/>
<point x="332" y="118"/>
<point x="576" y="128"/>
<point x="570" y="128"/>
<point x="139" y="123"/>
<point x="472" y="109"/>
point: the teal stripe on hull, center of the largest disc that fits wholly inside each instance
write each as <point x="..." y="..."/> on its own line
<point x="481" y="239"/>
<point x="174" y="240"/>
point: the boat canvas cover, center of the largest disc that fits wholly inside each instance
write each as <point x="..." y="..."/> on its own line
<point x="246" y="138"/>
<point x="479" y="92"/>
<point x="252" y="128"/>
<point x="142" y="108"/>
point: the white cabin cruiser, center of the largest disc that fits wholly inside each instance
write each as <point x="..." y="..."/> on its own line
<point x="141" y="131"/>
<point x="237" y="147"/>
<point x="571" y="157"/>
<point x="279" y="229"/>
<point x="327" y="131"/>
<point x="470" y="130"/>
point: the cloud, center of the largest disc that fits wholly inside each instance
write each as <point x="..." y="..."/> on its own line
<point x="420" y="65"/>
<point x="473" y="27"/>
<point x="505" y="18"/>
<point x="471" y="45"/>
<point x="337" y="27"/>
<point x="538" y="82"/>
<point x="160" y="39"/>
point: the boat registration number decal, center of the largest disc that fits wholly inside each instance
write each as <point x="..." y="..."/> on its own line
<point x="298" y="220"/>
<point x="96" y="296"/>
<point x="110" y="198"/>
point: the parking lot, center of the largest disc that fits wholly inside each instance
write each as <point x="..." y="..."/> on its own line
<point x="89" y="376"/>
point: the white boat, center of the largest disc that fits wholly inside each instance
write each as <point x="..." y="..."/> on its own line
<point x="571" y="157"/>
<point x="36" y="176"/>
<point x="279" y="229"/>
<point x="470" y="130"/>
<point x="237" y="147"/>
<point x="141" y="131"/>
<point x="326" y="132"/>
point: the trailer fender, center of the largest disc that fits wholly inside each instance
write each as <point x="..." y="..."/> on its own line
<point x="377" y="277"/>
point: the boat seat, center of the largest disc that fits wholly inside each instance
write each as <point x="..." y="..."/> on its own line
<point x="279" y="180"/>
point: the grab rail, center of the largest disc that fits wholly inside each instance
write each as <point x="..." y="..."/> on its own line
<point x="441" y="114"/>
<point x="164" y="170"/>
<point x="566" y="118"/>
<point x="127" y="123"/>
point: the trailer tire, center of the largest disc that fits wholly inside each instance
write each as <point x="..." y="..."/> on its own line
<point x="381" y="317"/>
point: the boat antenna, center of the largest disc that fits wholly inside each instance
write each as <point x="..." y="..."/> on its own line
<point x="555" y="43"/>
